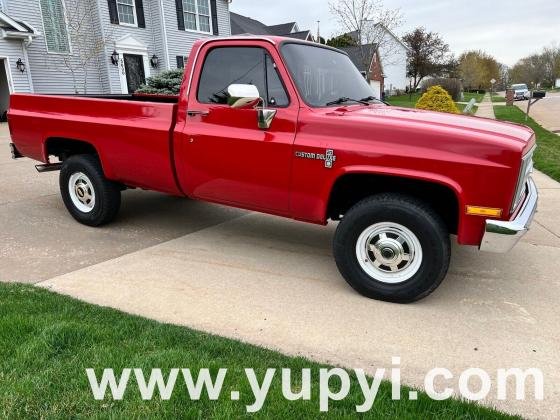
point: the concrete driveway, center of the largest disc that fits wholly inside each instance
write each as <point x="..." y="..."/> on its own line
<point x="273" y="282"/>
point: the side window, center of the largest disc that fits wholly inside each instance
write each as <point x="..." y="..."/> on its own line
<point x="242" y="65"/>
<point x="277" y="95"/>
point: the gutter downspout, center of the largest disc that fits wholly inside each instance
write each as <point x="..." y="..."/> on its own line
<point x="105" y="52"/>
<point x="164" y="37"/>
<point x="26" y="44"/>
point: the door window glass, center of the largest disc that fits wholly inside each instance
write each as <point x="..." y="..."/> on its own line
<point x="240" y="65"/>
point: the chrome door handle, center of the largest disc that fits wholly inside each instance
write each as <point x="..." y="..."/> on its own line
<point x="194" y="113"/>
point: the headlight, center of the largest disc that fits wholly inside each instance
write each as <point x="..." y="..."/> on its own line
<point x="524" y="174"/>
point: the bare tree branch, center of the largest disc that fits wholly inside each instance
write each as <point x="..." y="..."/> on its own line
<point x="87" y="43"/>
<point x="373" y="24"/>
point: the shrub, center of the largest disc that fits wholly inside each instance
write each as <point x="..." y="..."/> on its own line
<point x="166" y="83"/>
<point x="437" y="99"/>
<point x="453" y="86"/>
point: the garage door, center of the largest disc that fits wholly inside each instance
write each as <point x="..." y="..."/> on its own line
<point x="376" y="86"/>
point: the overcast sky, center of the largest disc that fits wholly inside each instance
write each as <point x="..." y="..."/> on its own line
<point x="507" y="29"/>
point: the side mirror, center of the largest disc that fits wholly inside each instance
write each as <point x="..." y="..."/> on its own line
<point x="247" y="96"/>
<point x="243" y="96"/>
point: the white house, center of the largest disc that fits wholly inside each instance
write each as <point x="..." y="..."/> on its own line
<point x="99" y="46"/>
<point x="393" y="52"/>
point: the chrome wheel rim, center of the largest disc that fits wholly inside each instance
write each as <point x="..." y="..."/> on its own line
<point x="389" y="252"/>
<point x="81" y="192"/>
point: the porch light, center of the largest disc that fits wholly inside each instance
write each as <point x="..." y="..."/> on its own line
<point x="115" y="58"/>
<point x="20" y="65"/>
<point x="154" y="61"/>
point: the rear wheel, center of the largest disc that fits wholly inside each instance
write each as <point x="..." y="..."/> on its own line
<point x="89" y="197"/>
<point x="392" y="247"/>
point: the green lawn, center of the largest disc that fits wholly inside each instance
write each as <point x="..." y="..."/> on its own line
<point x="47" y="341"/>
<point x="405" y="101"/>
<point x="496" y="98"/>
<point x="478" y="96"/>
<point x="409" y="101"/>
<point x="547" y="156"/>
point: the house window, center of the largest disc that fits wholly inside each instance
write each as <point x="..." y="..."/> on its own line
<point x="197" y="15"/>
<point x="127" y="12"/>
<point x="182" y="61"/>
<point x="54" y="22"/>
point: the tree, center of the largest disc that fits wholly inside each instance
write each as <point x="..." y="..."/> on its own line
<point x="428" y="55"/>
<point x="167" y="83"/>
<point x="341" y="41"/>
<point x="88" y="44"/>
<point x="540" y="69"/>
<point x="477" y="69"/>
<point x="373" y="24"/>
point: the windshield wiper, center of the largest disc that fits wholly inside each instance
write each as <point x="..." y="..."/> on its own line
<point x="344" y="99"/>
<point x="373" y="98"/>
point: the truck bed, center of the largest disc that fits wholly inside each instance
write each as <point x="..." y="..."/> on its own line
<point x="131" y="133"/>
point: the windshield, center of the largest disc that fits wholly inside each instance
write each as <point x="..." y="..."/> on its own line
<point x="323" y="75"/>
<point x="519" y="87"/>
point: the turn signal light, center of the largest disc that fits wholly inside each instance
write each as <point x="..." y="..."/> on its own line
<point x="484" y="211"/>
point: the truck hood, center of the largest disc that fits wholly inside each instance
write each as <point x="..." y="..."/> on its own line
<point x="421" y="120"/>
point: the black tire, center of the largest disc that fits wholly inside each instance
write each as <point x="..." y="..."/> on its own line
<point x="415" y="216"/>
<point x="107" y="193"/>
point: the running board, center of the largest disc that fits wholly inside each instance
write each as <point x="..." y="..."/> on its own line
<point x="49" y="167"/>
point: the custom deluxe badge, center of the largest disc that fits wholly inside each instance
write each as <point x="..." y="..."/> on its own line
<point x="328" y="157"/>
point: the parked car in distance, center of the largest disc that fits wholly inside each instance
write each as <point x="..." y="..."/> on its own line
<point x="521" y="92"/>
<point x="291" y="128"/>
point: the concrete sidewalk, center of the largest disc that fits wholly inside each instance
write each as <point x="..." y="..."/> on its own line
<point x="486" y="108"/>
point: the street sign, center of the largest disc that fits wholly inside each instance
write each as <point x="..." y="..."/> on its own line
<point x="493" y="81"/>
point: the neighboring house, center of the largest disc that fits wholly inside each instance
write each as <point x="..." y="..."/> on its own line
<point x="367" y="59"/>
<point x="99" y="46"/>
<point x="242" y="25"/>
<point x="393" y="54"/>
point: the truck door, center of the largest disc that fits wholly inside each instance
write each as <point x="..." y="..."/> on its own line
<point x="224" y="155"/>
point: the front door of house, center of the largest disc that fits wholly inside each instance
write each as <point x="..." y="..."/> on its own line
<point x="135" y="75"/>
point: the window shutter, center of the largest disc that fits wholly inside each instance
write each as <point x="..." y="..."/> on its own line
<point x="113" y="12"/>
<point x="180" y="15"/>
<point x="180" y="62"/>
<point x="140" y="13"/>
<point x="214" y="11"/>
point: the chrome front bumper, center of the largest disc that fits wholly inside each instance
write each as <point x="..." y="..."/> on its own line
<point x="502" y="236"/>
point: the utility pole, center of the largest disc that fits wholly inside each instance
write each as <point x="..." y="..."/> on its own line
<point x="319" y="31"/>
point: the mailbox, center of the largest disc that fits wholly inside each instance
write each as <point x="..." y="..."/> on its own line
<point x="539" y="94"/>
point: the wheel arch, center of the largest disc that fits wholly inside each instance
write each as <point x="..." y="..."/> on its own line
<point x="354" y="184"/>
<point x="64" y="147"/>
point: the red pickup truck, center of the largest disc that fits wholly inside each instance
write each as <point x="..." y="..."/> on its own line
<point x="291" y="128"/>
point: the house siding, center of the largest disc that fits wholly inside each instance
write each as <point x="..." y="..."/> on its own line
<point x="49" y="74"/>
<point x="180" y="42"/>
<point x="12" y="50"/>
<point x="394" y="68"/>
<point x="151" y="36"/>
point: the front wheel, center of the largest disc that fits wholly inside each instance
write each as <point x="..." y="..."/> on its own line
<point x="89" y="197"/>
<point x="392" y="247"/>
